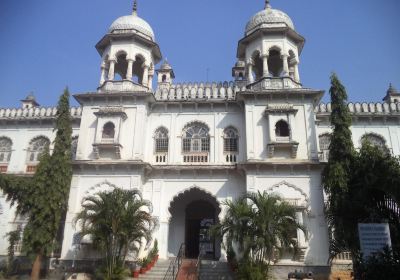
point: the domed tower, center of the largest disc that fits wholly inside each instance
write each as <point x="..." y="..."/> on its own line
<point x="128" y="54"/>
<point x="270" y="50"/>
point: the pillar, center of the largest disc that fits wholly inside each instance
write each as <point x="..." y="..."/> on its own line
<point x="300" y="233"/>
<point x="129" y="69"/>
<point x="296" y="72"/>
<point x="284" y="58"/>
<point x="145" y="80"/>
<point x="103" y="73"/>
<point x="250" y="77"/>
<point x="111" y="70"/>
<point x="265" y="65"/>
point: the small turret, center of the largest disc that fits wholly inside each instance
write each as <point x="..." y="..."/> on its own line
<point x="165" y="75"/>
<point x="29" y="101"/>
<point x="392" y="95"/>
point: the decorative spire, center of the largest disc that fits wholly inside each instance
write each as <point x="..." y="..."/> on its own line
<point x="134" y="10"/>
<point x="267" y="4"/>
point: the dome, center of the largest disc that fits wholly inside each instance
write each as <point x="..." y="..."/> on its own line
<point x="268" y="16"/>
<point x="165" y="66"/>
<point x="132" y="22"/>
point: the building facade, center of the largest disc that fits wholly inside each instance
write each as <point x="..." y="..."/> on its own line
<point x="189" y="147"/>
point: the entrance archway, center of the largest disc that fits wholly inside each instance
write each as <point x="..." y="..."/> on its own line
<point x="193" y="212"/>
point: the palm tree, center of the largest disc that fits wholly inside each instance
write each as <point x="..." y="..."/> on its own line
<point x="273" y="221"/>
<point x="118" y="222"/>
<point x="259" y="223"/>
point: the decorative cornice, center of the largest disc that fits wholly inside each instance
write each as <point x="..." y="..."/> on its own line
<point x="35" y="113"/>
<point x="362" y="108"/>
<point x="280" y="108"/>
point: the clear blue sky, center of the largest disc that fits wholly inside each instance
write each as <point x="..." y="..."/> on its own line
<point x="48" y="44"/>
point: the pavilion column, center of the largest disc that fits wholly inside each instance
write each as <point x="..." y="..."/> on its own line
<point x="145" y="79"/>
<point x="296" y="72"/>
<point x="284" y="58"/>
<point x="111" y="70"/>
<point x="151" y="75"/>
<point x="265" y="65"/>
<point x="250" y="77"/>
<point x="129" y="69"/>
<point x="103" y="73"/>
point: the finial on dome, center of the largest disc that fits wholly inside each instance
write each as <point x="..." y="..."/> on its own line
<point x="134" y="10"/>
<point x="267" y="4"/>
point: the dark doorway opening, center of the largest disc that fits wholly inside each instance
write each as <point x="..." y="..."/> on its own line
<point x="200" y="216"/>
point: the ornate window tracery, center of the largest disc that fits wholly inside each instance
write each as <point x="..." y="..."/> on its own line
<point x="74" y="147"/>
<point x="375" y="140"/>
<point x="5" y="149"/>
<point x="196" y="141"/>
<point x="231" y="140"/>
<point x="324" y="143"/>
<point x="161" y="140"/>
<point x="36" y="147"/>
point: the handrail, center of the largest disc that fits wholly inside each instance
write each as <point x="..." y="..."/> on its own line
<point x="175" y="265"/>
<point x="199" y="258"/>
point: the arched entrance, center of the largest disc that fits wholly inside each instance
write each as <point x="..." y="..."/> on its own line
<point x="192" y="214"/>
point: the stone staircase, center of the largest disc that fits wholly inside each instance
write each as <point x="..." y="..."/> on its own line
<point x="215" y="270"/>
<point x="157" y="272"/>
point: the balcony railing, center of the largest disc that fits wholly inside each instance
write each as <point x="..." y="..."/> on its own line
<point x="323" y="156"/>
<point x="195" y="158"/>
<point x="31" y="168"/>
<point x="161" y="157"/>
<point x="3" y="168"/>
<point x="230" y="157"/>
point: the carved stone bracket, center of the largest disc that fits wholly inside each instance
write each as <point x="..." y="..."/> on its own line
<point x="293" y="146"/>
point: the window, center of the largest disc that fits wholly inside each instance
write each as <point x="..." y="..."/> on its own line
<point x="74" y="146"/>
<point x="282" y="129"/>
<point x="108" y="131"/>
<point x="324" y="143"/>
<point x="196" y="138"/>
<point x="5" y="149"/>
<point x="36" y="147"/>
<point x="374" y="140"/>
<point x="161" y="140"/>
<point x="196" y="143"/>
<point x="231" y="140"/>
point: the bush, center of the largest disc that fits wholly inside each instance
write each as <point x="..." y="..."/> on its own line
<point x="384" y="265"/>
<point x="119" y="272"/>
<point x="249" y="270"/>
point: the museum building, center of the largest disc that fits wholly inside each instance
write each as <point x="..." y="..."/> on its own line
<point x="188" y="147"/>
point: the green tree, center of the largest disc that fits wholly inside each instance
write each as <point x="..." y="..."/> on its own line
<point x="117" y="222"/>
<point x="44" y="197"/>
<point x="259" y="224"/>
<point x="337" y="173"/>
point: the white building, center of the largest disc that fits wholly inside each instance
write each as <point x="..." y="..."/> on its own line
<point x="189" y="147"/>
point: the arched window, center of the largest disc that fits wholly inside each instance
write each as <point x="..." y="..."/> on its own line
<point x="121" y="66"/>
<point x="161" y="140"/>
<point x="375" y="140"/>
<point x="108" y="131"/>
<point x="74" y="146"/>
<point x="36" y="147"/>
<point x="258" y="66"/>
<point x="282" y="129"/>
<point x="164" y="78"/>
<point x="275" y="63"/>
<point x="5" y="149"/>
<point x="196" y="138"/>
<point x="324" y="141"/>
<point x="231" y="140"/>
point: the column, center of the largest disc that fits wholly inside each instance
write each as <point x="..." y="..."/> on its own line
<point x="300" y="233"/>
<point x="129" y="69"/>
<point x="111" y="70"/>
<point x="103" y="73"/>
<point x="284" y="58"/>
<point x="296" y="72"/>
<point x="250" y="77"/>
<point x="265" y="65"/>
<point x="151" y="75"/>
<point x="145" y="80"/>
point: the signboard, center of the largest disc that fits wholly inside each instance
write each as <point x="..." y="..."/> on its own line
<point x="373" y="238"/>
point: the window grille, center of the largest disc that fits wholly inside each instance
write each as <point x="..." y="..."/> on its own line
<point x="231" y="141"/>
<point x="161" y="140"/>
<point x="196" y="143"/>
<point x="196" y="139"/>
<point x="374" y="140"/>
<point x="108" y="131"/>
<point x="74" y="147"/>
<point x="5" y="150"/>
<point x="324" y="142"/>
<point x="36" y="148"/>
